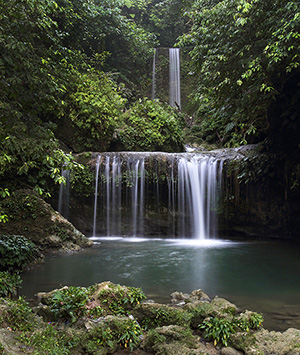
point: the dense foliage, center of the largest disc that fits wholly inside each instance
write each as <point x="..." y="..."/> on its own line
<point x="68" y="68"/>
<point x="16" y="252"/>
<point x="166" y="19"/>
<point x="150" y="126"/>
<point x="246" y="56"/>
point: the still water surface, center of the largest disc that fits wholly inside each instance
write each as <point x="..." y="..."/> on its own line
<point x="262" y="276"/>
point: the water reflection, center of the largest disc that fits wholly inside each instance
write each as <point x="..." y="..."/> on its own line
<point x="261" y="276"/>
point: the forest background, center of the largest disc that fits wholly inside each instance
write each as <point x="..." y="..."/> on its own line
<point x="75" y="76"/>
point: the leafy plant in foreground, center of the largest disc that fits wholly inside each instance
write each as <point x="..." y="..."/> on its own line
<point x="218" y="329"/>
<point x="69" y="303"/>
<point x="9" y="284"/>
<point x="46" y="341"/>
<point x="17" y="315"/>
<point x="122" y="331"/>
<point x="16" y="252"/>
<point x="119" y="299"/>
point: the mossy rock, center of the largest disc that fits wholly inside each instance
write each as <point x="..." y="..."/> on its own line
<point x="173" y="340"/>
<point x="32" y="217"/>
<point x="110" y="333"/>
<point x="199" y="311"/>
<point x="9" y="345"/>
<point x="155" y="314"/>
<point x="115" y="298"/>
<point x="268" y="342"/>
<point x="224" y="306"/>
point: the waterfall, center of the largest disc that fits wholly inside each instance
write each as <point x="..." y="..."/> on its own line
<point x="159" y="74"/>
<point x="137" y="193"/>
<point x="199" y="189"/>
<point x="96" y="194"/>
<point x="153" y="74"/>
<point x="174" y="77"/>
<point x="64" y="195"/>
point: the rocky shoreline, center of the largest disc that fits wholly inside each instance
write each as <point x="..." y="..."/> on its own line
<point x="112" y="319"/>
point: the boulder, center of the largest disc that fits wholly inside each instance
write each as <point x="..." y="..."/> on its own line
<point x="224" y="306"/>
<point x="155" y="314"/>
<point x="174" y="340"/>
<point x="30" y="216"/>
<point x="268" y="342"/>
<point x="230" y="351"/>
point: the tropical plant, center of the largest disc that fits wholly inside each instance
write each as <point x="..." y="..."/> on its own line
<point x="17" y="315"/>
<point x="218" y="329"/>
<point x="16" y="252"/>
<point x="122" y="331"/>
<point x="246" y="56"/>
<point x="9" y="284"/>
<point x="119" y="300"/>
<point x="69" y="303"/>
<point x="94" y="109"/>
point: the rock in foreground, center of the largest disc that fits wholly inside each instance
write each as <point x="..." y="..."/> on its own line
<point x="113" y="319"/>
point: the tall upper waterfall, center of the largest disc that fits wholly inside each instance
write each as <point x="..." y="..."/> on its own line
<point x="174" y="77"/>
<point x="161" y="88"/>
<point x="135" y="191"/>
<point x="153" y="75"/>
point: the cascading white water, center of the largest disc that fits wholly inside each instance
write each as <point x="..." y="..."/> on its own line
<point x="64" y="195"/>
<point x="153" y="74"/>
<point x="96" y="193"/>
<point x="174" y="77"/>
<point x="198" y="191"/>
<point x="190" y="194"/>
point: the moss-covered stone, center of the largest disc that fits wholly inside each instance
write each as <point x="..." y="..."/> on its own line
<point x="224" y="306"/>
<point x="199" y="311"/>
<point x="32" y="217"/>
<point x="173" y="340"/>
<point x="168" y="330"/>
<point x="153" y="315"/>
<point x="268" y="342"/>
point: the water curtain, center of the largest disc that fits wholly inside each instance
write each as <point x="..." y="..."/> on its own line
<point x="174" y="77"/>
<point x="137" y="192"/>
<point x="173" y="72"/>
<point x="64" y="194"/>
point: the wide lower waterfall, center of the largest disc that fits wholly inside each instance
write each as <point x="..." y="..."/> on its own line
<point x="137" y="192"/>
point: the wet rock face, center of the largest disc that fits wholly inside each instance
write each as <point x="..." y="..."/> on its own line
<point x="32" y="217"/>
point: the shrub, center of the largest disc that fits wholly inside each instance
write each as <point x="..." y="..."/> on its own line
<point x="116" y="331"/>
<point x="118" y="300"/>
<point x="220" y="329"/>
<point x="249" y="320"/>
<point x="69" y="303"/>
<point x="46" y="341"/>
<point x="16" y="252"/>
<point x="17" y="315"/>
<point x="9" y="284"/>
<point x="151" y="126"/>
